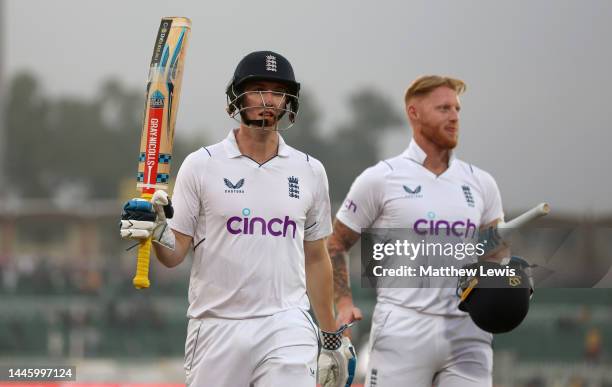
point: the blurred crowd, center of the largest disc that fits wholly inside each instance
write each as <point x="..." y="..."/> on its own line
<point x="32" y="275"/>
<point x="66" y="308"/>
<point x="84" y="309"/>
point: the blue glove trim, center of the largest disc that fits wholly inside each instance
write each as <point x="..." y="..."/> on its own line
<point x="138" y="210"/>
<point x="138" y="205"/>
<point x="352" y="365"/>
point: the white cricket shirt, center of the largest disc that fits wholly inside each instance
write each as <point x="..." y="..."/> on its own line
<point x="249" y="222"/>
<point x="402" y="193"/>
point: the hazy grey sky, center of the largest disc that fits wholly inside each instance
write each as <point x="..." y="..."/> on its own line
<point x="536" y="114"/>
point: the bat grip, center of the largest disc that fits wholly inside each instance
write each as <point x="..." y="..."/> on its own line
<point x="141" y="279"/>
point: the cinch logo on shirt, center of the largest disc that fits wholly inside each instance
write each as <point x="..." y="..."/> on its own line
<point x="350" y="205"/>
<point x="431" y="226"/>
<point x="256" y="225"/>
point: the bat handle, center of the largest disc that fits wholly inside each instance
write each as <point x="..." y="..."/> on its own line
<point x="141" y="279"/>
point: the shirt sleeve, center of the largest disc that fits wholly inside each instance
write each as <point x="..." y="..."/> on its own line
<point x="493" y="209"/>
<point x="363" y="203"/>
<point x="318" y="218"/>
<point x="186" y="198"/>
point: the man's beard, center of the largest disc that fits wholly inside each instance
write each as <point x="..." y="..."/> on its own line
<point x="437" y="136"/>
<point x="261" y="120"/>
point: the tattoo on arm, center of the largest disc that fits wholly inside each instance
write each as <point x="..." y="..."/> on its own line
<point x="342" y="287"/>
<point x="340" y="242"/>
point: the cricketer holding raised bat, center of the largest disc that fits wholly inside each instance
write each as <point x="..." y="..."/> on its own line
<point x="419" y="336"/>
<point x="255" y="212"/>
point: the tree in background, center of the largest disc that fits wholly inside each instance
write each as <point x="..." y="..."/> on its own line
<point x="26" y="136"/>
<point x="356" y="142"/>
<point x="353" y="146"/>
<point x="82" y="145"/>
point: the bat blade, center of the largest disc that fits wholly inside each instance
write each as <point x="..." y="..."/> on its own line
<point x="161" y="103"/>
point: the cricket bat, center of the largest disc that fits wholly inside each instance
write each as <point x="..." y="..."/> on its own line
<point x="161" y="103"/>
<point x="506" y="229"/>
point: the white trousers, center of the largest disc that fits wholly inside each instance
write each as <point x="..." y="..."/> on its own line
<point x="277" y="350"/>
<point x="413" y="349"/>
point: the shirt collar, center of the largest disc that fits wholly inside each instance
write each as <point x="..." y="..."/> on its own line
<point x="415" y="153"/>
<point x="231" y="145"/>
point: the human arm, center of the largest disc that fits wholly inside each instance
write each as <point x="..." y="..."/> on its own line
<point x="338" y="360"/>
<point x="319" y="283"/>
<point x="338" y="245"/>
<point x="173" y="257"/>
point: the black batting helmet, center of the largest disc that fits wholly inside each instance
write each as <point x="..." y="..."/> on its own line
<point x="263" y="66"/>
<point x="496" y="303"/>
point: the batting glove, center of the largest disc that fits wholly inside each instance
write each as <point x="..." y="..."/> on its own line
<point x="337" y="360"/>
<point x="490" y="240"/>
<point x="142" y="219"/>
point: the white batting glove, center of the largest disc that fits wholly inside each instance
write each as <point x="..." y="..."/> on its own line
<point x="337" y="360"/>
<point x="142" y="219"/>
